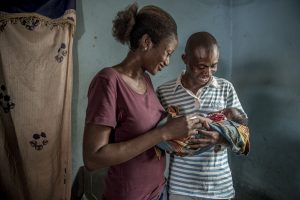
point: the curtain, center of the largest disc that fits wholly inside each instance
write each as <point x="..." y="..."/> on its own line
<point x="36" y="43"/>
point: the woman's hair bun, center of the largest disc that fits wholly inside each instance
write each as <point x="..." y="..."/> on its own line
<point x="124" y="22"/>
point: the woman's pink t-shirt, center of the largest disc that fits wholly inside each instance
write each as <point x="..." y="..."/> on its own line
<point x="111" y="102"/>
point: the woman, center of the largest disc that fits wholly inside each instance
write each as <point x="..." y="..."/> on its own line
<point x="123" y="109"/>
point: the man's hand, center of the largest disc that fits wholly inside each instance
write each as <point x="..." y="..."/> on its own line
<point x="209" y="138"/>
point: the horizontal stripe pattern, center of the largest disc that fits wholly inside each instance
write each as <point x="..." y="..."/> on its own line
<point x="206" y="175"/>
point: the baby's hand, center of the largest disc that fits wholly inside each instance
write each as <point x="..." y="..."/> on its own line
<point x="204" y="121"/>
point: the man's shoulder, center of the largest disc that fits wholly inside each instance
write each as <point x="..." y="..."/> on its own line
<point x="169" y="84"/>
<point x="222" y="82"/>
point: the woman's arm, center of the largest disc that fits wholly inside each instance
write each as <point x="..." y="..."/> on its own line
<point x="99" y="153"/>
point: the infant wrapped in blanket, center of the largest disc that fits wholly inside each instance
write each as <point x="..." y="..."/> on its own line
<point x="231" y="123"/>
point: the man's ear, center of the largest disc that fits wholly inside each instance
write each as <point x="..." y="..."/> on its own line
<point x="215" y="69"/>
<point x="184" y="58"/>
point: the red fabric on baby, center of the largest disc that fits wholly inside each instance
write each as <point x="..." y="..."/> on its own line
<point x="216" y="117"/>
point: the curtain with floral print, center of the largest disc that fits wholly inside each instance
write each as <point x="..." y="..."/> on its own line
<point x="36" y="42"/>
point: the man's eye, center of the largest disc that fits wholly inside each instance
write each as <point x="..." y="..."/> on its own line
<point x="201" y="66"/>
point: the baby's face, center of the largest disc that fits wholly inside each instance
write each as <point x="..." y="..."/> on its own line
<point x="229" y="113"/>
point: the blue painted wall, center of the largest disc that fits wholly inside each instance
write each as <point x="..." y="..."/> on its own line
<point x="259" y="43"/>
<point x="266" y="70"/>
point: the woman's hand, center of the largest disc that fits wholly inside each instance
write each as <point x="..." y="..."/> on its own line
<point x="182" y="126"/>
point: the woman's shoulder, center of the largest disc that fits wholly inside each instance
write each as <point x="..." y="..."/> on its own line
<point x="107" y="73"/>
<point x="106" y="76"/>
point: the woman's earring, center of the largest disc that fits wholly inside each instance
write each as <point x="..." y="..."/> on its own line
<point x="145" y="49"/>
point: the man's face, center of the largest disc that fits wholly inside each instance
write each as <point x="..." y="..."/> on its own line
<point x="201" y="65"/>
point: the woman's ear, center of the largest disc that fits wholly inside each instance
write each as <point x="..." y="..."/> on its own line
<point x="146" y="42"/>
<point x="149" y="43"/>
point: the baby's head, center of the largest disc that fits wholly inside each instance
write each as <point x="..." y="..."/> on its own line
<point x="236" y="115"/>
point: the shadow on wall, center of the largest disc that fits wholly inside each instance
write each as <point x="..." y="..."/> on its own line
<point x="270" y="95"/>
<point x="75" y="93"/>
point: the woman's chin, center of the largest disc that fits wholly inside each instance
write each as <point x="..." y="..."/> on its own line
<point x="154" y="72"/>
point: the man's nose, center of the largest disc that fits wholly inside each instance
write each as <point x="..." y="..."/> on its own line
<point x="207" y="71"/>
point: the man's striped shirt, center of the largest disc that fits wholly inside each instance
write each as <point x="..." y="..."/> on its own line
<point x="206" y="175"/>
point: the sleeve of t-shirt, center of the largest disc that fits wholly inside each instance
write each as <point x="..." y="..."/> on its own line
<point x="233" y="99"/>
<point x="101" y="108"/>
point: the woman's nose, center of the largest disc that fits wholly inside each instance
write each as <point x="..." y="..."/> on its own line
<point x="167" y="61"/>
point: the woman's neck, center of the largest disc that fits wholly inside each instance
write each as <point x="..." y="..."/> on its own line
<point x="132" y="72"/>
<point x="131" y="66"/>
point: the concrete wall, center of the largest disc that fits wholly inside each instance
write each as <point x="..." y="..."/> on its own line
<point x="266" y="70"/>
<point x="259" y="43"/>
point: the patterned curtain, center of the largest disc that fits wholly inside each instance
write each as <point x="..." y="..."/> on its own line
<point x="36" y="42"/>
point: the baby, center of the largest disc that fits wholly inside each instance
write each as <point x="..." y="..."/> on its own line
<point x="233" y="114"/>
<point x="238" y="138"/>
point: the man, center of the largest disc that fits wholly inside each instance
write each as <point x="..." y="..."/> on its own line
<point x="196" y="90"/>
